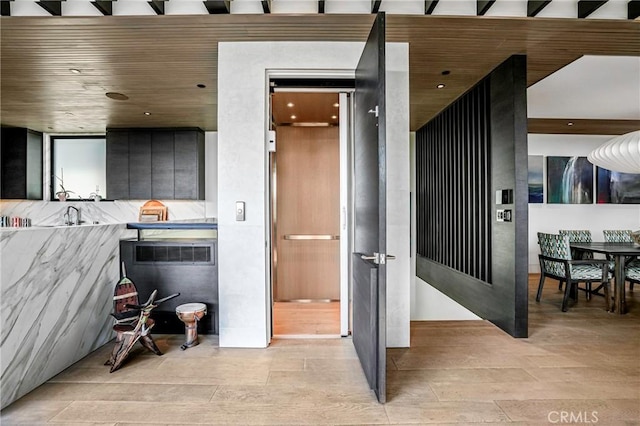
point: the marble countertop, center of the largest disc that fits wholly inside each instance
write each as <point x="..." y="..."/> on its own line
<point x="172" y="225"/>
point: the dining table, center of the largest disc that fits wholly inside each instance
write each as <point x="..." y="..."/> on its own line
<point x="619" y="252"/>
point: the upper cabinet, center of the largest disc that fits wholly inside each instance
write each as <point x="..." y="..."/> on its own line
<point x="21" y="164"/>
<point x="165" y="164"/>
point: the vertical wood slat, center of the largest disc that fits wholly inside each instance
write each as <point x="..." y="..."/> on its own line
<point x="454" y="186"/>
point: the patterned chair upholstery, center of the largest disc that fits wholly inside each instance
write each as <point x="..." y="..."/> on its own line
<point x="578" y="236"/>
<point x="617" y="235"/>
<point x="623" y="236"/>
<point x="556" y="263"/>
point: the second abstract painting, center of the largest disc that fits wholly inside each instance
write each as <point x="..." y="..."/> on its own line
<point x="569" y="180"/>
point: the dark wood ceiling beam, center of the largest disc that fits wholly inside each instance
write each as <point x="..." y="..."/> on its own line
<point x="5" y="8"/>
<point x="375" y="6"/>
<point x="429" y="5"/>
<point x="560" y="126"/>
<point x="534" y="7"/>
<point x="482" y="6"/>
<point x="218" y="7"/>
<point x="587" y="7"/>
<point x="104" y="6"/>
<point x="51" y="6"/>
<point x="320" y="6"/>
<point x="633" y="9"/>
<point x="157" y="6"/>
<point x="266" y="6"/>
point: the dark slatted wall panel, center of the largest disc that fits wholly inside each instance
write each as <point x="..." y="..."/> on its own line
<point x="454" y="186"/>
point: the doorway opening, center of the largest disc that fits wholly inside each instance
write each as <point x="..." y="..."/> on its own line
<point x="310" y="207"/>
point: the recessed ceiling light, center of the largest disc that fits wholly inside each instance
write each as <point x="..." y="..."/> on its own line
<point x="290" y="104"/>
<point x="440" y="86"/>
<point x="293" y="117"/>
<point x="570" y="123"/>
<point x="147" y="113"/>
<point x="334" y="116"/>
<point x="200" y="85"/>
<point x="116" y="96"/>
<point x="75" y="70"/>
<point x="336" y="105"/>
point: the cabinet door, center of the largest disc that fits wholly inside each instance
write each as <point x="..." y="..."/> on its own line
<point x="140" y="165"/>
<point x="162" y="165"/>
<point x="118" y="165"/>
<point x="188" y="167"/>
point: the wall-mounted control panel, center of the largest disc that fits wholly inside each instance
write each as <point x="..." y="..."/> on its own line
<point x="240" y="211"/>
<point x="503" y="215"/>
<point x="504" y="196"/>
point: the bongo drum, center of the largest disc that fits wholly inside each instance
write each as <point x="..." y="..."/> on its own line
<point x="190" y="314"/>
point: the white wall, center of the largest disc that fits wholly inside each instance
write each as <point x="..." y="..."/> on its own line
<point x="242" y="176"/>
<point x="211" y="174"/>
<point x="553" y="217"/>
<point x="427" y="303"/>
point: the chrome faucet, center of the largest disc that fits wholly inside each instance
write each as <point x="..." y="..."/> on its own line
<point x="67" y="216"/>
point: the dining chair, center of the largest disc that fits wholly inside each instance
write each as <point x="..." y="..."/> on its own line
<point x="578" y="236"/>
<point x="623" y="236"/>
<point x="556" y="262"/>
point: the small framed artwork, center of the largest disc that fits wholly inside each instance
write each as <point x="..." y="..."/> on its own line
<point x="569" y="180"/>
<point x="617" y="187"/>
<point x="536" y="188"/>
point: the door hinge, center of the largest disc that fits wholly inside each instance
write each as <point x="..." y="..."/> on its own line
<point x="374" y="111"/>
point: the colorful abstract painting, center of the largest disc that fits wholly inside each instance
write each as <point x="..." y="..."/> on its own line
<point x="569" y="180"/>
<point x="617" y="187"/>
<point x="536" y="187"/>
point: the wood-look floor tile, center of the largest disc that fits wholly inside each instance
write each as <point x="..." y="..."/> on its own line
<point x="446" y="412"/>
<point x="460" y="375"/>
<point x="324" y="364"/>
<point x="120" y="392"/>
<point x="318" y="378"/>
<point x="582" y="374"/>
<point x="29" y="412"/>
<point x="222" y="413"/>
<point x="594" y="411"/>
<point x="293" y="394"/>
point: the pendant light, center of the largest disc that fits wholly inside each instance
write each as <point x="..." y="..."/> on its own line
<point x="620" y="154"/>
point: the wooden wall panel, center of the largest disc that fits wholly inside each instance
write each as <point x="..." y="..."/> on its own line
<point x="308" y="203"/>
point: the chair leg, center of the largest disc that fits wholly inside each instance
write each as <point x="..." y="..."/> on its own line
<point x="560" y="285"/>
<point x="147" y="342"/>
<point x="588" y="290"/>
<point x="631" y="285"/>
<point x="115" y="350"/>
<point x="540" y="285"/>
<point x="128" y="340"/>
<point x="568" y="288"/>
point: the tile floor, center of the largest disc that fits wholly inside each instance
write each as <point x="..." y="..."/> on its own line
<point x="581" y="366"/>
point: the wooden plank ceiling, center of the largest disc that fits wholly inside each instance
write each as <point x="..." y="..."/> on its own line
<point x="159" y="61"/>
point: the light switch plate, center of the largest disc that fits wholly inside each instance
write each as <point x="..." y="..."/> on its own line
<point x="239" y="211"/>
<point x="503" y="215"/>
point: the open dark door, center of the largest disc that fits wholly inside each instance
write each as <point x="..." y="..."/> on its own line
<point x="369" y="263"/>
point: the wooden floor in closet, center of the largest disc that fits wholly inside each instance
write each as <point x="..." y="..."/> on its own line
<point x="306" y="318"/>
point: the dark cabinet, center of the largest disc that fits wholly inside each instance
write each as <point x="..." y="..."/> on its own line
<point x="20" y="164"/>
<point x="118" y="165"/>
<point x="155" y="164"/>
<point x="140" y="166"/>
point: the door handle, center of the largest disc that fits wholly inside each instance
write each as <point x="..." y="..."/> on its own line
<point x="378" y="258"/>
